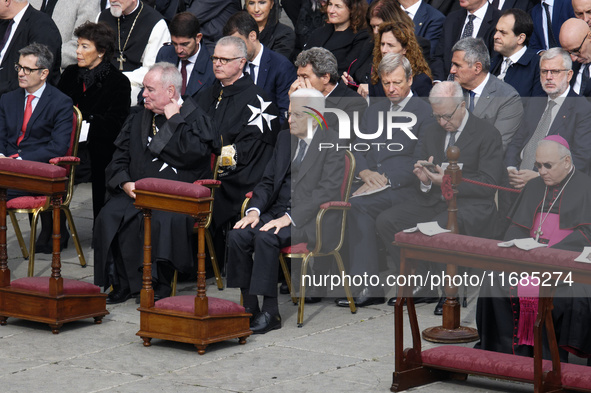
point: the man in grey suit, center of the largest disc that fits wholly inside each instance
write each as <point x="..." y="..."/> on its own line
<point x="487" y="97"/>
<point x="67" y="15"/>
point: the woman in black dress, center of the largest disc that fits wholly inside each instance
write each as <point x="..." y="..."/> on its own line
<point x="273" y="34"/>
<point x="102" y="93"/>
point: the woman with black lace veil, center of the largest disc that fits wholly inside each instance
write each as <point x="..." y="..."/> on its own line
<point x="102" y="93"/>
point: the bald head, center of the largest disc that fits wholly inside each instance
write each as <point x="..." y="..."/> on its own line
<point x="574" y="38"/>
<point x="582" y="10"/>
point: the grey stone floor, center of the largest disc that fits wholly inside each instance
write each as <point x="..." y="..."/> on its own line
<point x="335" y="351"/>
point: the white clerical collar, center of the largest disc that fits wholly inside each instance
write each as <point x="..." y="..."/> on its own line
<point x="136" y="7"/>
<point x="478" y="89"/>
<point x="517" y="55"/>
<point x="413" y="9"/>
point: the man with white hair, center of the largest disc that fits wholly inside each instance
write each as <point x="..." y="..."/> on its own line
<point x="141" y="31"/>
<point x="169" y="139"/>
<point x="553" y="210"/>
<point x="247" y="122"/>
<point x="299" y="178"/>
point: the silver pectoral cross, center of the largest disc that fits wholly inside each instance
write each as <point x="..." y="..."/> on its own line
<point x="121" y="60"/>
<point x="538" y="233"/>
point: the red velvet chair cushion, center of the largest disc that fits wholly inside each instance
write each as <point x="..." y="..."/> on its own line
<point x="32" y="168"/>
<point x="26" y="202"/>
<point x="504" y="365"/>
<point x="207" y="182"/>
<point x="335" y="204"/>
<point x="41" y="284"/>
<point x="186" y="303"/>
<point x="300" y="248"/>
<point x="172" y="187"/>
<point x="67" y="159"/>
<point x="489" y="247"/>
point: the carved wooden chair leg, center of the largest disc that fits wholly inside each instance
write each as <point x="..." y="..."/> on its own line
<point x="214" y="261"/>
<point x="32" y="240"/>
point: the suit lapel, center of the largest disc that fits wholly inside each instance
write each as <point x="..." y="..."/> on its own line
<point x="44" y="100"/>
<point x="264" y="68"/>
<point x="311" y="155"/>
<point x="486" y="21"/>
<point x="146" y="127"/>
<point x="198" y="69"/>
<point x="485" y="97"/>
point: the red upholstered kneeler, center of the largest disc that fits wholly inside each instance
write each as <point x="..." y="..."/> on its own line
<point x="52" y="300"/>
<point x="199" y="320"/>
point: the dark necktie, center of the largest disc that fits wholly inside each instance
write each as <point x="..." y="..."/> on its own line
<point x="6" y="35"/>
<point x="584" y="79"/>
<point x="48" y="6"/>
<point x="300" y="156"/>
<point x="469" y="28"/>
<point x="551" y="39"/>
<point x="252" y="74"/>
<point x="529" y="152"/>
<point x="452" y="141"/>
<point x="26" y="118"/>
<point x="472" y="99"/>
<point x="184" y="64"/>
<point x="495" y="4"/>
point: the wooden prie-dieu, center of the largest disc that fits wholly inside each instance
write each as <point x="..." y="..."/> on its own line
<point x="53" y="300"/>
<point x="198" y="320"/>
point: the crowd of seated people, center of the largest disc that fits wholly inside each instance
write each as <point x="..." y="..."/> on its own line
<point x="162" y="89"/>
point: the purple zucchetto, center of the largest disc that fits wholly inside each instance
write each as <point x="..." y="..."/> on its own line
<point x="557" y="139"/>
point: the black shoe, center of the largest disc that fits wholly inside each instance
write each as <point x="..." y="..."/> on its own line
<point x="439" y="307"/>
<point x="362" y="300"/>
<point x="254" y="312"/>
<point x="312" y="299"/>
<point x="284" y="289"/>
<point x="391" y="301"/>
<point x="118" y="296"/>
<point x="265" y="322"/>
<point x="425" y="295"/>
<point x="42" y="247"/>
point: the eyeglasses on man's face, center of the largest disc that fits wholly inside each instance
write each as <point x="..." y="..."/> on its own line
<point x="576" y="52"/>
<point x="446" y="118"/>
<point x="223" y="60"/>
<point x="26" y="70"/>
<point x="554" y="73"/>
<point x="548" y="165"/>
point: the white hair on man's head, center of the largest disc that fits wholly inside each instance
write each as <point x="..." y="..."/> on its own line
<point x="444" y="91"/>
<point x="562" y="150"/>
<point x="308" y="97"/>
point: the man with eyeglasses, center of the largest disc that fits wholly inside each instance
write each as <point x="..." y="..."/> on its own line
<point x="552" y="209"/>
<point x="247" y="122"/>
<point x="574" y="38"/>
<point x="563" y="113"/>
<point x="481" y="159"/>
<point x="36" y="122"/>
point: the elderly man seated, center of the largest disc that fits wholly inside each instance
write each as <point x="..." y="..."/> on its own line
<point x="554" y="210"/>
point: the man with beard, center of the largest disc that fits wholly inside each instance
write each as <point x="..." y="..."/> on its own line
<point x="141" y="31"/>
<point x="170" y="138"/>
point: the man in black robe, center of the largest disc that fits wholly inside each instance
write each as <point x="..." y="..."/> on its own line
<point x="141" y="31"/>
<point x="553" y="208"/>
<point x="169" y="139"/>
<point x="247" y="122"/>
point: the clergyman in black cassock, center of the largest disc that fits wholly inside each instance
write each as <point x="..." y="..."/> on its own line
<point x="561" y="199"/>
<point x="156" y="142"/>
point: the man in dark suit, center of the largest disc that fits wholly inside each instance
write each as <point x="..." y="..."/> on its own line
<point x="213" y="15"/>
<point x="428" y="21"/>
<point x="389" y="169"/>
<point x="575" y="38"/>
<point x="268" y="69"/>
<point x="515" y="63"/>
<point x="481" y="155"/>
<point x="317" y="69"/>
<point x="476" y="19"/>
<point x="188" y="54"/>
<point x="545" y="34"/>
<point x="444" y="6"/>
<point x="299" y="177"/>
<point x="21" y="25"/>
<point x="488" y="97"/>
<point x="563" y="113"/>
<point x="36" y="123"/>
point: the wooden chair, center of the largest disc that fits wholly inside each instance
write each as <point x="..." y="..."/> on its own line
<point x="37" y="204"/>
<point x="199" y="320"/>
<point x="301" y="250"/>
<point x="212" y="184"/>
<point x="53" y="300"/>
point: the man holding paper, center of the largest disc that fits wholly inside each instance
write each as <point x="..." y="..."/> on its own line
<point x="552" y="209"/>
<point x="481" y="158"/>
<point x="385" y="170"/>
